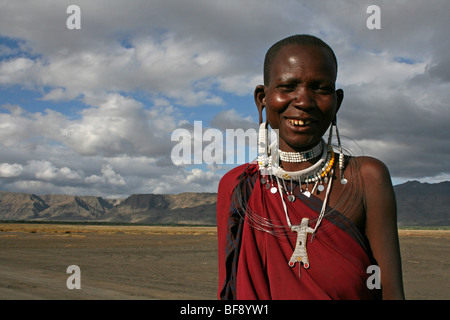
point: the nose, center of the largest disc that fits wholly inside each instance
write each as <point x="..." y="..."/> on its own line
<point x="304" y="99"/>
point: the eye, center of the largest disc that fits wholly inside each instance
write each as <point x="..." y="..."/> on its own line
<point x="326" y="89"/>
<point x="287" y="87"/>
<point x="323" y="88"/>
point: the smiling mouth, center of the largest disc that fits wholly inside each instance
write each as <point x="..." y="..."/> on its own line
<point x="299" y="123"/>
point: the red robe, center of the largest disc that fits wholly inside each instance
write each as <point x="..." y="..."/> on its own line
<point x="253" y="264"/>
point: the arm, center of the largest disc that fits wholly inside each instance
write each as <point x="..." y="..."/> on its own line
<point x="381" y="225"/>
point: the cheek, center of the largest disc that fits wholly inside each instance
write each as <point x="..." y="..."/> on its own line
<point x="279" y="101"/>
<point x="273" y="116"/>
<point x="273" y="119"/>
<point x="275" y="106"/>
<point x="330" y="113"/>
<point x="327" y="105"/>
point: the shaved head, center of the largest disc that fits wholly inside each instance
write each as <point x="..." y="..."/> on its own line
<point x="300" y="39"/>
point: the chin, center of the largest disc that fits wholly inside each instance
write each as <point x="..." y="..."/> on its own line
<point x="302" y="143"/>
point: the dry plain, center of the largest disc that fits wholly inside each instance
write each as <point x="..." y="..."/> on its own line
<point x="149" y="262"/>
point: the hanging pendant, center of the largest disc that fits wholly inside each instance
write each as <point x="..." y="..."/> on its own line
<point x="263" y="181"/>
<point x="306" y="192"/>
<point x="320" y="187"/>
<point x="291" y="197"/>
<point x="273" y="190"/>
<point x="300" y="254"/>
<point x="344" y="181"/>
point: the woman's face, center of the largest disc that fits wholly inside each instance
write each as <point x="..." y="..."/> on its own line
<point x="300" y="98"/>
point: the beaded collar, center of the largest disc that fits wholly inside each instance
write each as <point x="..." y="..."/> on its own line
<point x="301" y="156"/>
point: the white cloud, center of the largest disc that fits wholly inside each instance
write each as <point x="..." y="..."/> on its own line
<point x="17" y="70"/>
<point x="195" y="180"/>
<point x="39" y="170"/>
<point x="240" y="84"/>
<point x="45" y="170"/>
<point x="231" y="119"/>
<point x="10" y="170"/>
<point x="379" y="70"/>
<point x="109" y="176"/>
<point x="119" y="125"/>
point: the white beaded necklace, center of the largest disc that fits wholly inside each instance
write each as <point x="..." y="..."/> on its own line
<point x="302" y="156"/>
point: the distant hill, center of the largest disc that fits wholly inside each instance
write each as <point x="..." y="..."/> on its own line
<point x="183" y="208"/>
<point x="423" y="204"/>
<point x="419" y="204"/>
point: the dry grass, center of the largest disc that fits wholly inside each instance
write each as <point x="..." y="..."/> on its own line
<point x="425" y="233"/>
<point x="104" y="229"/>
<point x="169" y="230"/>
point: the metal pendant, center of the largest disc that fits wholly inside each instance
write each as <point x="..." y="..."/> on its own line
<point x="300" y="254"/>
<point x="291" y="197"/>
<point x="344" y="181"/>
<point x="263" y="181"/>
<point x="320" y="187"/>
<point x="307" y="194"/>
<point x="273" y="189"/>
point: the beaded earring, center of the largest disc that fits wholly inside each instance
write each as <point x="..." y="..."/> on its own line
<point x="341" y="153"/>
<point x="264" y="157"/>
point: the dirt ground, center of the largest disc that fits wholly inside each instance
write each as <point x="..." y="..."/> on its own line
<point x="173" y="263"/>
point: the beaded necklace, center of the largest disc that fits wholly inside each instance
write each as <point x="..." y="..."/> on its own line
<point x="319" y="173"/>
<point x="301" y="156"/>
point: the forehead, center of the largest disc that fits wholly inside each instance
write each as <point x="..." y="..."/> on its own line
<point x="301" y="59"/>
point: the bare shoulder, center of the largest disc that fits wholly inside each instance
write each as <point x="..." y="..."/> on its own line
<point x="378" y="191"/>
<point x="374" y="172"/>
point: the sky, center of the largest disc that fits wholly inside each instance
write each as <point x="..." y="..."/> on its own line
<point x="99" y="110"/>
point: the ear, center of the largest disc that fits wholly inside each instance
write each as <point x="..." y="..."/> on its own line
<point x="339" y="99"/>
<point x="260" y="100"/>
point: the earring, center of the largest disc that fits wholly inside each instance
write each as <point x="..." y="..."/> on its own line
<point x="263" y="159"/>
<point x="262" y="143"/>
<point x="341" y="155"/>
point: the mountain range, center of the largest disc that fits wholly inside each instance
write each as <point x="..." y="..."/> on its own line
<point x="418" y="204"/>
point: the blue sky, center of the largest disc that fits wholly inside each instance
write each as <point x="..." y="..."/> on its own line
<point x="91" y="111"/>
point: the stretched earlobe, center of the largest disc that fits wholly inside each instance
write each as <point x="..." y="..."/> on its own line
<point x="339" y="99"/>
<point x="260" y="96"/>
